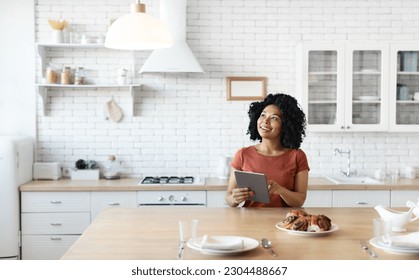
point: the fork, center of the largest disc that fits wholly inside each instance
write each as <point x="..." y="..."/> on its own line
<point x="365" y="247"/>
<point x="181" y="248"/>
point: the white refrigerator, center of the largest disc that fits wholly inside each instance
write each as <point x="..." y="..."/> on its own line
<point x="16" y="161"/>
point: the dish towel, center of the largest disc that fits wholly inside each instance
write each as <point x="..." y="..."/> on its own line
<point x="113" y="111"/>
<point x="221" y="243"/>
<point x="410" y="240"/>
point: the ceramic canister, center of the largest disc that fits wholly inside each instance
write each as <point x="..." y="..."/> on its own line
<point x="410" y="172"/>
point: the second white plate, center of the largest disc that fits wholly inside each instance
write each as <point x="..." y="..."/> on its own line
<point x="334" y="228"/>
<point x="374" y="242"/>
<point x="248" y="244"/>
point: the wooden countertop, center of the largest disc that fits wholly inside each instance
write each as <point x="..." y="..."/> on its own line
<point x="211" y="184"/>
<point x="153" y="233"/>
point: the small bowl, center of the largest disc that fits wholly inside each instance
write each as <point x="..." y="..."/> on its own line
<point x="369" y="98"/>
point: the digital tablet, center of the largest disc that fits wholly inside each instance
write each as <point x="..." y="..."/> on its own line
<point x="255" y="182"/>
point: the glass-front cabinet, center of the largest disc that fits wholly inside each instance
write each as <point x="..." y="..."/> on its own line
<point x="366" y="85"/>
<point x="341" y="87"/>
<point x="320" y="85"/>
<point x="404" y="87"/>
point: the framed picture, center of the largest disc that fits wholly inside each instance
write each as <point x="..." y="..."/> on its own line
<point x="246" y="88"/>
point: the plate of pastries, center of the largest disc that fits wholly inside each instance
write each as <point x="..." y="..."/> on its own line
<point x="300" y="222"/>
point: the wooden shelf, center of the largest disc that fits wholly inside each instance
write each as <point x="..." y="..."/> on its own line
<point x="42" y="90"/>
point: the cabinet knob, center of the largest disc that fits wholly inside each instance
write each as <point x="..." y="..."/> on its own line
<point x="172" y="197"/>
<point x="183" y="198"/>
<point x="342" y="127"/>
<point x="348" y="127"/>
<point x="160" y="198"/>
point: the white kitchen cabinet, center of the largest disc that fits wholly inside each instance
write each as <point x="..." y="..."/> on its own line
<point x="55" y="223"/>
<point x="112" y="199"/>
<point x="46" y="247"/>
<point x="320" y="85"/>
<point x="342" y="87"/>
<point x="361" y="198"/>
<point x="318" y="198"/>
<point x="55" y="202"/>
<point x="43" y="89"/>
<point x="51" y="222"/>
<point x="216" y="199"/>
<point x="400" y="197"/>
<point x="404" y="82"/>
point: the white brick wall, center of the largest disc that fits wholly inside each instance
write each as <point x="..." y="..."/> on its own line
<point x="182" y="122"/>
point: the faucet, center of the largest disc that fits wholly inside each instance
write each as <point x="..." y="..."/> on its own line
<point x="348" y="171"/>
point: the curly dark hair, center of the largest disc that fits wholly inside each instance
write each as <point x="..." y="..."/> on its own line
<point x="293" y="119"/>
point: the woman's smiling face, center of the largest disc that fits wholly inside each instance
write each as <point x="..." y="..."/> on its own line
<point x="269" y="122"/>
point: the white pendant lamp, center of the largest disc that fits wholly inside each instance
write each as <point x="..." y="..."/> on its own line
<point x="138" y="31"/>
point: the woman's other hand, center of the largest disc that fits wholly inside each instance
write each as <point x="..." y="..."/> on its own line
<point x="273" y="187"/>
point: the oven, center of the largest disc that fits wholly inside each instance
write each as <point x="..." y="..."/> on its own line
<point x="175" y="193"/>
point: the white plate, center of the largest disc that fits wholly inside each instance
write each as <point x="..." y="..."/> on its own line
<point x="374" y="242"/>
<point x="369" y="98"/>
<point x="280" y="226"/>
<point x="248" y="244"/>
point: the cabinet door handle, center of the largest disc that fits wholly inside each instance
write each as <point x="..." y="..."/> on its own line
<point x="56" y="238"/>
<point x="56" y="224"/>
<point x="114" y="204"/>
<point x="55" y="202"/>
<point x="361" y="203"/>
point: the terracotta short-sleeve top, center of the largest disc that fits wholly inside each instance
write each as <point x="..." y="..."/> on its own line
<point x="281" y="169"/>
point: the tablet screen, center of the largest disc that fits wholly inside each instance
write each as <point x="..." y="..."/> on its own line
<point x="255" y="182"/>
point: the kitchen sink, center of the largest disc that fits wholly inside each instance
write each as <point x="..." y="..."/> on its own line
<point x="355" y="180"/>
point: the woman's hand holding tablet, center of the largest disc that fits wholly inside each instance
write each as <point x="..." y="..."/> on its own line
<point x="255" y="182"/>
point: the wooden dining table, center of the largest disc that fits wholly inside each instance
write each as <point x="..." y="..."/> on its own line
<point x="152" y="233"/>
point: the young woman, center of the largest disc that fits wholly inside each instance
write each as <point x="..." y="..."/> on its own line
<point x="279" y="125"/>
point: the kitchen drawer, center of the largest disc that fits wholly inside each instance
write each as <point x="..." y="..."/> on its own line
<point x="104" y="200"/>
<point x="54" y="223"/>
<point x="318" y="198"/>
<point x="363" y="198"/>
<point x="216" y="199"/>
<point x="400" y="197"/>
<point x="55" y="201"/>
<point x="46" y="247"/>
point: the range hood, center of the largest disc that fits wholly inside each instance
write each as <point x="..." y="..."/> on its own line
<point x="179" y="57"/>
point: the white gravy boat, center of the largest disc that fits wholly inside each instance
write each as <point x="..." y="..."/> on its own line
<point x="398" y="219"/>
<point x="415" y="205"/>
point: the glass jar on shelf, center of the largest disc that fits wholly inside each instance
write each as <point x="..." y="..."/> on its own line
<point x="66" y="75"/>
<point x="79" y="78"/>
<point x="51" y="75"/>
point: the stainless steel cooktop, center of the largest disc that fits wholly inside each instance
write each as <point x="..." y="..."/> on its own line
<point x="174" y="180"/>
